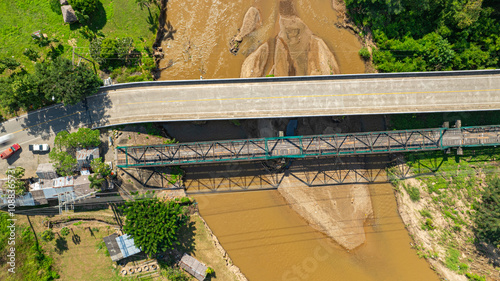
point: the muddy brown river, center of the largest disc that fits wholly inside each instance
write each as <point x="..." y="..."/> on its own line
<point x="270" y="241"/>
<point x="203" y="29"/>
<point x="263" y="235"/>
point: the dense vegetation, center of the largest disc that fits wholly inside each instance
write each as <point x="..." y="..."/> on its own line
<point x="53" y="81"/>
<point x="488" y="213"/>
<point x="62" y="154"/>
<point x="32" y="264"/>
<point x="154" y="224"/>
<point x="430" y="35"/>
<point x="31" y="47"/>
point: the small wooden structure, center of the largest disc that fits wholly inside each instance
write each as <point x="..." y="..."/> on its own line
<point x="193" y="267"/>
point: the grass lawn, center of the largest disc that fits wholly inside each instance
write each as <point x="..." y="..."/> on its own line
<point x="114" y="18"/>
<point x="77" y="256"/>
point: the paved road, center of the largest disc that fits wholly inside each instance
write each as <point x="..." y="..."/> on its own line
<point x="286" y="98"/>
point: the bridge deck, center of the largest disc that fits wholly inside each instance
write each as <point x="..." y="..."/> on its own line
<point x="307" y="146"/>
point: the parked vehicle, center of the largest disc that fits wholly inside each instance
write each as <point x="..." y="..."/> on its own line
<point x="39" y="147"/>
<point x="9" y="151"/>
<point x="5" y="138"/>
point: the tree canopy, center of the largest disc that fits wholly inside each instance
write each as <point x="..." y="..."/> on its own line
<point x="154" y="224"/>
<point x="19" y="185"/>
<point x="54" y="81"/>
<point x="488" y="213"/>
<point x="430" y="35"/>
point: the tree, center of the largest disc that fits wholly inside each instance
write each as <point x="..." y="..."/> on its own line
<point x="100" y="168"/>
<point x="488" y="213"/>
<point x="154" y="224"/>
<point x="110" y="52"/>
<point x="19" y="185"/>
<point x="84" y="137"/>
<point x="96" y="181"/>
<point x="84" y="6"/>
<point x="62" y="82"/>
<point x="8" y="63"/>
<point x="64" y="163"/>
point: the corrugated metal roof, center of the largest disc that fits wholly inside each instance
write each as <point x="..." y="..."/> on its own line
<point x="52" y="192"/>
<point x="25" y="200"/>
<point x="193" y="266"/>
<point x="127" y="246"/>
<point x="113" y="248"/>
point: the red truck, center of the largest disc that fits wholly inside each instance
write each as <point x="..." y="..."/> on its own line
<point x="9" y="151"/>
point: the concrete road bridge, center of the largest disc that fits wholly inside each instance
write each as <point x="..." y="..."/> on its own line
<point x="271" y="97"/>
<point x="308" y="146"/>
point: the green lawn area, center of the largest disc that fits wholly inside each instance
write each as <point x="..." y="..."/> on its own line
<point x="114" y="18"/>
<point x="77" y="256"/>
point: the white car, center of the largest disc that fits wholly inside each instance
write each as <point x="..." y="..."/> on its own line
<point x="5" y="138"/>
<point x="40" y="147"/>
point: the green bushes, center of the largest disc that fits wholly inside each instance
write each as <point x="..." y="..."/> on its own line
<point x="413" y="192"/>
<point x="111" y="53"/>
<point x="364" y="53"/>
<point x="154" y="224"/>
<point x="86" y="7"/>
<point x="488" y="213"/>
<point x="64" y="231"/>
<point x="48" y="235"/>
<point x="429" y="35"/>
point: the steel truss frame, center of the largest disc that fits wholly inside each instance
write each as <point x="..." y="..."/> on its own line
<point x="299" y="146"/>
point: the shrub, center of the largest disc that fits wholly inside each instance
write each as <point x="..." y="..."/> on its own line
<point x="185" y="200"/>
<point x="31" y="54"/>
<point x="364" y="53"/>
<point x="210" y="271"/>
<point x="426" y="214"/>
<point x="84" y="6"/>
<point x="64" y="231"/>
<point x="475" y="277"/>
<point x="414" y="193"/>
<point x="428" y="225"/>
<point x="48" y="235"/>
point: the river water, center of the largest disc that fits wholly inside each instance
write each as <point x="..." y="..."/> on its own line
<point x="203" y="29"/>
<point x="270" y="241"/>
<point x="260" y="231"/>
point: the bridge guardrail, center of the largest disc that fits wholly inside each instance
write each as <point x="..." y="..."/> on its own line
<point x="299" y="78"/>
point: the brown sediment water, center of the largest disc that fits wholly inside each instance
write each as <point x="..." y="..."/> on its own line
<point x="203" y="30"/>
<point x="267" y="240"/>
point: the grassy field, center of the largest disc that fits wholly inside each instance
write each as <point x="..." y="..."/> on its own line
<point x="77" y="256"/>
<point x="114" y="18"/>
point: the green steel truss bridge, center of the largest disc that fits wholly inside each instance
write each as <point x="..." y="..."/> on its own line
<point x="307" y="146"/>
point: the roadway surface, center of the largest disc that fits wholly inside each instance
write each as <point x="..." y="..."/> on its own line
<point x="264" y="98"/>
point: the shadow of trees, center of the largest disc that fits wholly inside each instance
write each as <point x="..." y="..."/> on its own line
<point x="61" y="245"/>
<point x="90" y="112"/>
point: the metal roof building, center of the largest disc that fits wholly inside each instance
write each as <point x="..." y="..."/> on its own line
<point x="193" y="267"/>
<point x="120" y="247"/>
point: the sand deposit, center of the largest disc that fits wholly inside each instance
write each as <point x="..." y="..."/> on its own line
<point x="338" y="211"/>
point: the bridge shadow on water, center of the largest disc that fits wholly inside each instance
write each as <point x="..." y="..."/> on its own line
<point x="244" y="176"/>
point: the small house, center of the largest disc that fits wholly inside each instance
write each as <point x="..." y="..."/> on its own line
<point x="120" y="247"/>
<point x="193" y="267"/>
<point x="85" y="156"/>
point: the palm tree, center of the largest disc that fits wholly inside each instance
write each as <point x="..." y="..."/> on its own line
<point x="96" y="181"/>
